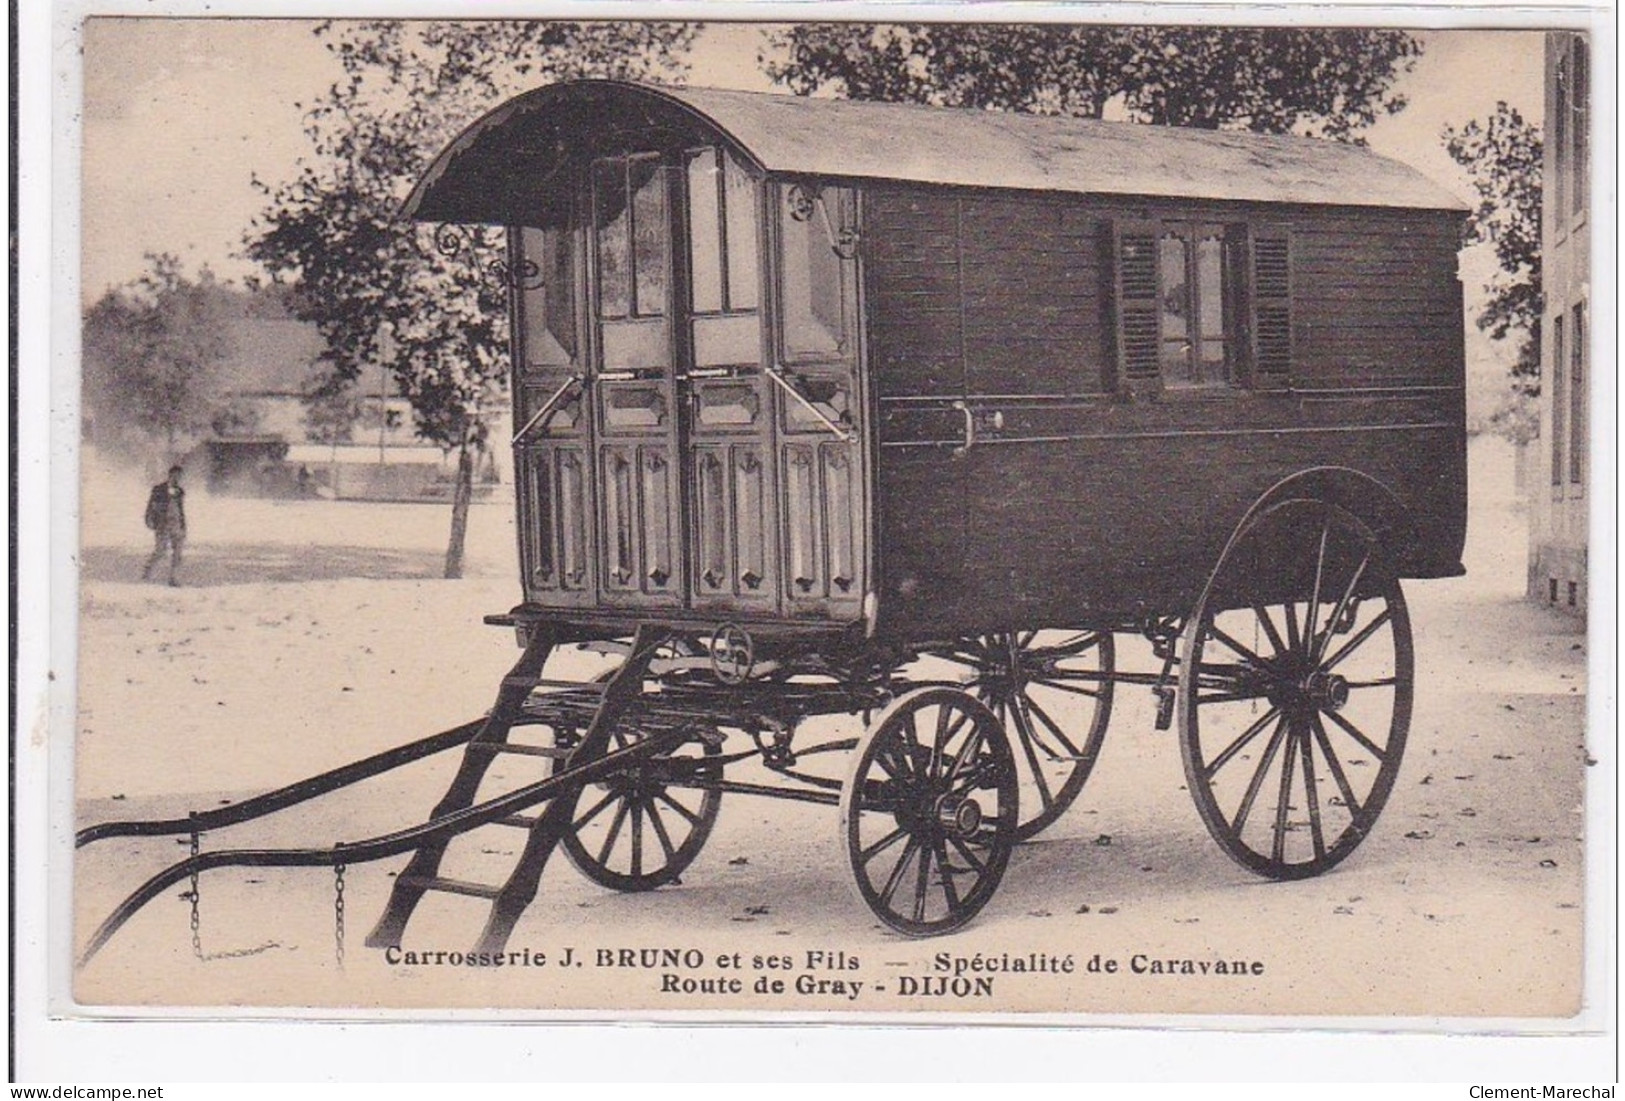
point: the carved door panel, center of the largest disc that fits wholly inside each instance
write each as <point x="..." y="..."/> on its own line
<point x="634" y="384"/>
<point x="820" y="477"/>
<point x="552" y="456"/>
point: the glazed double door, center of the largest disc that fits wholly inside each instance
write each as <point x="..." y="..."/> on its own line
<point x="704" y="488"/>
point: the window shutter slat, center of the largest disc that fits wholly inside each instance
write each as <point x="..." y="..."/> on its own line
<point x="1272" y="308"/>
<point x="1135" y="254"/>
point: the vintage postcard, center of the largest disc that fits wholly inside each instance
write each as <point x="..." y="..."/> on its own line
<point x="862" y="520"/>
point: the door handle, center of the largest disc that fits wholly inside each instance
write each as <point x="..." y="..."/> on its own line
<point x="970" y="429"/>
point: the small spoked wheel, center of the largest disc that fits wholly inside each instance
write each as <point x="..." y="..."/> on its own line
<point x="1052" y="691"/>
<point x="1295" y="689"/>
<point x="641" y="827"/>
<point x="929" y="812"/>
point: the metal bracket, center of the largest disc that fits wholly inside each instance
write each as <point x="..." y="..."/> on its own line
<point x="795" y="392"/>
<point x="547" y="407"/>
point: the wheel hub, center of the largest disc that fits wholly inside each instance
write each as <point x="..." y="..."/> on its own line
<point x="1326" y="691"/>
<point x="958" y="814"/>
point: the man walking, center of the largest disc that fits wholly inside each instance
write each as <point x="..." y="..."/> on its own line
<point x="166" y="516"/>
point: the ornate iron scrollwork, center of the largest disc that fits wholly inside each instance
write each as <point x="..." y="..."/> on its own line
<point x="459" y="242"/>
<point x="804" y="200"/>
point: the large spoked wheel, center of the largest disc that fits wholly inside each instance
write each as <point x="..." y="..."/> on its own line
<point x="1052" y="691"/>
<point x="643" y="826"/>
<point x="929" y="812"/>
<point x="1295" y="689"/>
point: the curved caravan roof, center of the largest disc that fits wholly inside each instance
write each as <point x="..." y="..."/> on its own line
<point x="497" y="170"/>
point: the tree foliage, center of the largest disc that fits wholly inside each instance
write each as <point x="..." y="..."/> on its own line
<point x="377" y="289"/>
<point x="1503" y="155"/>
<point x="1328" y="82"/>
<point x="153" y="353"/>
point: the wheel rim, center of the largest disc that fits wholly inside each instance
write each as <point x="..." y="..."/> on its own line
<point x="929" y="813"/>
<point x="1052" y="693"/>
<point x="1295" y="690"/>
<point x="643" y="826"/>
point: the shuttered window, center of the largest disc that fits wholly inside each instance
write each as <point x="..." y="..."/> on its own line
<point x="1271" y="299"/>
<point x="1139" y="334"/>
<point x="1201" y="304"/>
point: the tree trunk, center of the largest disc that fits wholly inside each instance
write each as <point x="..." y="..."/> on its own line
<point x="462" y="493"/>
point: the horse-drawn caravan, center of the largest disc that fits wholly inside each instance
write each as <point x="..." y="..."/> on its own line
<point x="839" y="408"/>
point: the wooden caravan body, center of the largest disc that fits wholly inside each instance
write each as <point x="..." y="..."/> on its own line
<point x="903" y="372"/>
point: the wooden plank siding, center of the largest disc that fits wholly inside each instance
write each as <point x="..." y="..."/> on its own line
<point x="1080" y="502"/>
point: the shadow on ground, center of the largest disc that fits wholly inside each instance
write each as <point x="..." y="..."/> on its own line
<point x="207" y="564"/>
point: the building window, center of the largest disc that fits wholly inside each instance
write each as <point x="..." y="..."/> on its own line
<point x="1580" y="122"/>
<point x="1579" y="404"/>
<point x="1202" y="305"/>
<point x="1560" y="134"/>
<point x="1559" y="400"/>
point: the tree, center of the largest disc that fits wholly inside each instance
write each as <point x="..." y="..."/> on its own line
<point x="1503" y="155"/>
<point x="153" y="352"/>
<point x="377" y="290"/>
<point x="1329" y="82"/>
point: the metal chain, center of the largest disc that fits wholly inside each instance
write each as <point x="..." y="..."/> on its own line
<point x="338" y="913"/>
<point x="197" y="938"/>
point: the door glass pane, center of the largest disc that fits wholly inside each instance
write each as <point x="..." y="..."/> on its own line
<point x="1210" y="302"/>
<point x="1174" y="306"/>
<point x="649" y="236"/>
<point x="549" y="308"/>
<point x="610" y="214"/>
<point x="813" y="322"/>
<point x="704" y="231"/>
<point x="743" y="289"/>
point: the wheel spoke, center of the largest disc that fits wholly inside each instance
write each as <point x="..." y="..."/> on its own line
<point x="1290" y="607"/>
<point x="1270" y="632"/>
<point x="1236" y="746"/>
<point x="664" y="797"/>
<point x="1258" y="777"/>
<point x="973" y="746"/>
<point x="1054" y="727"/>
<point x="660" y="832"/>
<point x="1092" y="693"/>
<point x="938" y="741"/>
<point x="897" y="870"/>
<point x="1213" y="629"/>
<point x="1322" y="640"/>
<point x="882" y="845"/>
<point x="637" y="837"/>
<point x="948" y="891"/>
<point x="922" y="883"/>
<point x="1288" y="759"/>
<point x="1312" y="795"/>
<point x="614" y="832"/>
<point x="1313" y="611"/>
<point x="1354" y="732"/>
<point x="597" y="808"/>
<point x="1383" y="682"/>
<point x="1336" y="767"/>
<point x="1230" y="697"/>
<point x="970" y="858"/>
<point x="1357" y="641"/>
<point x="1024" y="735"/>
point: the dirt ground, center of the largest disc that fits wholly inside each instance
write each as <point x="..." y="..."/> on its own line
<point x="308" y="634"/>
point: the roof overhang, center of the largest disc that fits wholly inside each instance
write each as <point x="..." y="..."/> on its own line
<point x="516" y="165"/>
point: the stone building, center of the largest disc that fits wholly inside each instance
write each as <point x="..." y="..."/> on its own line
<point x="1559" y="486"/>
